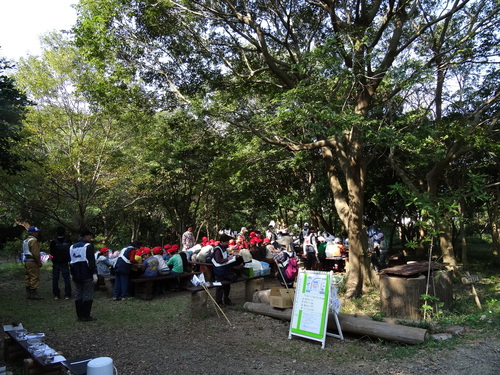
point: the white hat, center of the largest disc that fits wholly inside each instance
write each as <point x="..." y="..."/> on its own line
<point x="321" y="238"/>
<point x="380" y="235"/>
<point x="337" y="240"/>
<point x="306" y="224"/>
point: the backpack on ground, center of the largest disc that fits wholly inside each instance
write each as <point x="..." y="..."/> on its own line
<point x="292" y="268"/>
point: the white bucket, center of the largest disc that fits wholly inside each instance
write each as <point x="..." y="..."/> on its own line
<point x="100" y="366"/>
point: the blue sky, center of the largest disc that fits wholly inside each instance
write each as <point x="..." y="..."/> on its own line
<point x="22" y="22"/>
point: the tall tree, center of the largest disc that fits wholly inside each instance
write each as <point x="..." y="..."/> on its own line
<point x="13" y="104"/>
<point x="313" y="76"/>
<point x="75" y="154"/>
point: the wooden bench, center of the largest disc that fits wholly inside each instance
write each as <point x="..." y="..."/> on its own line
<point x="205" y="268"/>
<point x="144" y="286"/>
<point x="105" y="282"/>
<point x="199" y="297"/>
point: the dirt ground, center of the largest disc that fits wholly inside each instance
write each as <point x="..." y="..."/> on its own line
<point x="255" y="344"/>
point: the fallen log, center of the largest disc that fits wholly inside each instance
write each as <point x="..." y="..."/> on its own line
<point x="353" y="324"/>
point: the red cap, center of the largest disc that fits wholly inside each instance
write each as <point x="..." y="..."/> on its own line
<point x="157" y="250"/>
<point x="204" y="239"/>
<point x="267" y="240"/>
<point x="173" y="249"/>
<point x="167" y="246"/>
<point x="103" y="250"/>
<point x="252" y="234"/>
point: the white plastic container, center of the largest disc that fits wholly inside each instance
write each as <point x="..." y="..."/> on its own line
<point x="100" y="366"/>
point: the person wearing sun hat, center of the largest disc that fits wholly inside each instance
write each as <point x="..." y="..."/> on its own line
<point x="32" y="263"/>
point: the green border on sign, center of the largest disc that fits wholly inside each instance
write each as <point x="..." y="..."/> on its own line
<point x="324" y="311"/>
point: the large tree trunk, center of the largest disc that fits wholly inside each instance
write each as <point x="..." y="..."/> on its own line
<point x="446" y="244"/>
<point x="493" y="214"/>
<point x="350" y="206"/>
<point x="463" y="238"/>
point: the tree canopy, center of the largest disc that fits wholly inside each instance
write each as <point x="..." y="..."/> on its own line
<point x="164" y="113"/>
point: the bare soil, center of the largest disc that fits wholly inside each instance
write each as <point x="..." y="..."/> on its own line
<point x="254" y="344"/>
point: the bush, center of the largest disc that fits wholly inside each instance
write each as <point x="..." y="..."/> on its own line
<point x="12" y="249"/>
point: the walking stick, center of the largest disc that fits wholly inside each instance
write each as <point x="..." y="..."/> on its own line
<point x="216" y="304"/>
<point x="281" y="273"/>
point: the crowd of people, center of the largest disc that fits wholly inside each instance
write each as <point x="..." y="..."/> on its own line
<point x="279" y="248"/>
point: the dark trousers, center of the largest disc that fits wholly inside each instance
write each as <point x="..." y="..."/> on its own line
<point x="121" y="285"/>
<point x="222" y="292"/>
<point x="281" y="276"/>
<point x="310" y="260"/>
<point x="375" y="259"/>
<point x="84" y="290"/>
<point x="63" y="270"/>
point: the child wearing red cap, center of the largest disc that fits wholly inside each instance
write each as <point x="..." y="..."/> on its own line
<point x="150" y="264"/>
<point x="104" y="265"/>
<point x="175" y="264"/>
<point x="162" y="265"/>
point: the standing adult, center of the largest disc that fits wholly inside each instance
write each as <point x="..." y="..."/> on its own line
<point x="84" y="272"/>
<point x="384" y="250"/>
<point x="123" y="266"/>
<point x="223" y="270"/>
<point x="188" y="241"/>
<point x="59" y="249"/>
<point x="303" y="233"/>
<point x="310" y="249"/>
<point x="32" y="263"/>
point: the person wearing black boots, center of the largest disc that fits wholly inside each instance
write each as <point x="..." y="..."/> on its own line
<point x="84" y="272"/>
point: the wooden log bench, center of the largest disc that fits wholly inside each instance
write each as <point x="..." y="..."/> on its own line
<point x="200" y="299"/>
<point x="144" y="286"/>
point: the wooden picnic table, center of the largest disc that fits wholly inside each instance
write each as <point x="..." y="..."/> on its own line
<point x="144" y="286"/>
<point x="15" y="348"/>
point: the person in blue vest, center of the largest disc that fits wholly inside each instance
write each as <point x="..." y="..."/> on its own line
<point x="84" y="271"/>
<point x="122" y="270"/>
<point x="223" y="270"/>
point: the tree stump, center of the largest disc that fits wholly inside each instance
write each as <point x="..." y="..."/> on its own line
<point x="400" y="297"/>
<point x="252" y="286"/>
